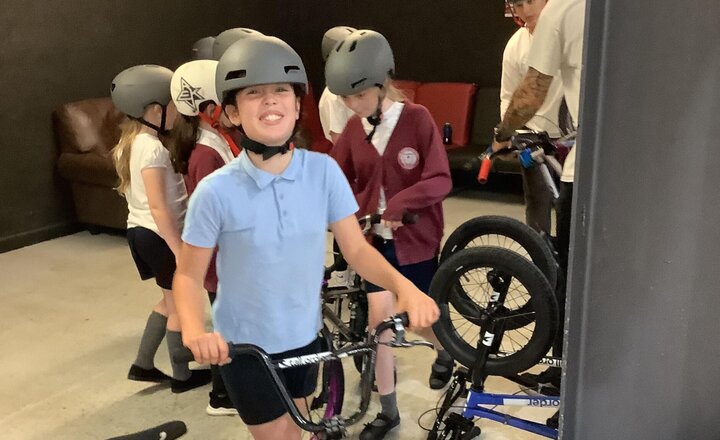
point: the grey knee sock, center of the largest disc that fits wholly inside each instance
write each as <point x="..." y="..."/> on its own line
<point x="151" y="339"/>
<point x="181" y="371"/>
<point x="389" y="405"/>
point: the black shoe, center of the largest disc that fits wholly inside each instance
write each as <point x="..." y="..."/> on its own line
<point x="378" y="428"/>
<point x="220" y="405"/>
<point x="441" y="373"/>
<point x="151" y="375"/>
<point x="547" y="382"/>
<point x="197" y="378"/>
<point x="554" y="421"/>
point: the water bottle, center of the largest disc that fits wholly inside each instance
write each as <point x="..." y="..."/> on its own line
<point x="447" y="134"/>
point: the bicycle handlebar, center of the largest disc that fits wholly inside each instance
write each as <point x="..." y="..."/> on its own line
<point x="395" y="323"/>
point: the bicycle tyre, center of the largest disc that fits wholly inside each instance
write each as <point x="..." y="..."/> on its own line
<point x="329" y="402"/>
<point x="541" y="300"/>
<point x="526" y="237"/>
<point x="358" y="325"/>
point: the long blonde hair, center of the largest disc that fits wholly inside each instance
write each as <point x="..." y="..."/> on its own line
<point x="392" y="92"/>
<point x="121" y="152"/>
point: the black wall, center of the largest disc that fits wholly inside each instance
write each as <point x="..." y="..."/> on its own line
<point x="56" y="52"/>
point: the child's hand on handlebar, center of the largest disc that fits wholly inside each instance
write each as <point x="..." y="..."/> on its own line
<point x="208" y="348"/>
<point x="497" y="146"/>
<point x="421" y="309"/>
<point x="391" y="224"/>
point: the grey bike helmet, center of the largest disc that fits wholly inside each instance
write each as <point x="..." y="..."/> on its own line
<point x="135" y="88"/>
<point x="203" y="49"/>
<point x="362" y="60"/>
<point x="256" y="61"/>
<point x="228" y="37"/>
<point x="332" y="37"/>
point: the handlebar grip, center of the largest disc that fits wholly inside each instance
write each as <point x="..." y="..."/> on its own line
<point x="405" y="318"/>
<point x="484" y="170"/>
<point x="410" y="218"/>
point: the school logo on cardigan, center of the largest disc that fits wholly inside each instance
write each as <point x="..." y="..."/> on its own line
<point x="408" y="158"/>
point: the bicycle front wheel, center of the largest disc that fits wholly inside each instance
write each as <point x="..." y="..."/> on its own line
<point x="462" y="291"/>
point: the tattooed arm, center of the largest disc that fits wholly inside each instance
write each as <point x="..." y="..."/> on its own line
<point x="526" y="101"/>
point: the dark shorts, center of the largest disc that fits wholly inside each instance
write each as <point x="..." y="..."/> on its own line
<point x="152" y="256"/>
<point x="421" y="274"/>
<point x="252" y="391"/>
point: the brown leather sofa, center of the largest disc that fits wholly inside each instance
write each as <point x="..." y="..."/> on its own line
<point x="85" y="132"/>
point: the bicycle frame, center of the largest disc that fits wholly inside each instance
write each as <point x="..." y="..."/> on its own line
<point x="491" y="335"/>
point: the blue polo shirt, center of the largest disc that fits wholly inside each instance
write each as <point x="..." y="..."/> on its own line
<point x="271" y="234"/>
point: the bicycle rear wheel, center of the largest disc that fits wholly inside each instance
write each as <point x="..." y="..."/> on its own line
<point x="462" y="291"/>
<point x="505" y="232"/>
<point x="331" y="381"/>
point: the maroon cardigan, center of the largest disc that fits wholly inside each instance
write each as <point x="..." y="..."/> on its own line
<point x="413" y="170"/>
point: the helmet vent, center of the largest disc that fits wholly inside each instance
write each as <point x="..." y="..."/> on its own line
<point x="289" y="69"/>
<point x="353" y="46"/>
<point x="235" y="74"/>
<point x="357" y="83"/>
<point x="112" y="87"/>
<point x="363" y="32"/>
<point x="339" y="46"/>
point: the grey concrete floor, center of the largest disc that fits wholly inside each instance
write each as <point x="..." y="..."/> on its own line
<point x="73" y="310"/>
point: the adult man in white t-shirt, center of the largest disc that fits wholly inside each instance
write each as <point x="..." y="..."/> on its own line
<point x="538" y="198"/>
<point x="557" y="46"/>
<point x="334" y="114"/>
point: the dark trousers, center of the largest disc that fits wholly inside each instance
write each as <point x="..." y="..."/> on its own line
<point x="538" y="199"/>
<point x="564" y="217"/>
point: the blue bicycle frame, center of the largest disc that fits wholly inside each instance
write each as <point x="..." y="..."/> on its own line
<point x="474" y="408"/>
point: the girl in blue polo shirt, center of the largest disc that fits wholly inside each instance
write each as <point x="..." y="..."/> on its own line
<point x="268" y="211"/>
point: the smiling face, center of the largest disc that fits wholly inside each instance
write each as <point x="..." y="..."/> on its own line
<point x="363" y="104"/>
<point x="267" y="113"/>
<point x="529" y="11"/>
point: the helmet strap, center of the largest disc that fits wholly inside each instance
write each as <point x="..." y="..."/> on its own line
<point x="376" y="118"/>
<point x="264" y="150"/>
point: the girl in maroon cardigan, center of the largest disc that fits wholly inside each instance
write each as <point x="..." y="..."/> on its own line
<point x="393" y="156"/>
<point x="199" y="145"/>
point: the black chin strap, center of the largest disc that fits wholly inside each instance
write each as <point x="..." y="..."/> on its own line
<point x="264" y="150"/>
<point x="375" y="118"/>
<point x="161" y="129"/>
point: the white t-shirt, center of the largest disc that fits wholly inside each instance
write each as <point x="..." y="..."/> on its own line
<point x="515" y="67"/>
<point x="558" y="45"/>
<point x="147" y="151"/>
<point x="334" y="114"/>
<point x="380" y="140"/>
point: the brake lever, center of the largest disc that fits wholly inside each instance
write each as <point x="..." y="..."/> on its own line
<point x="399" y="341"/>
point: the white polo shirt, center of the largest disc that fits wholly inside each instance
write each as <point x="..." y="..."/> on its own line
<point x="334" y="114"/>
<point x="515" y="67"/>
<point x="558" y="46"/>
<point x="147" y="151"/>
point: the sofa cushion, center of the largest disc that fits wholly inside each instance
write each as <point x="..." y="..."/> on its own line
<point x="407" y="87"/>
<point x="87" y="125"/>
<point x="449" y="102"/>
<point x="90" y="168"/>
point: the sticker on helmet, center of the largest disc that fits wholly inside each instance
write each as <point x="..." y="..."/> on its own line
<point x="189" y="95"/>
<point x="408" y="158"/>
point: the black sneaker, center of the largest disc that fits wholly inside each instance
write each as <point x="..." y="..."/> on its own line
<point x="151" y="375"/>
<point x="378" y="428"/>
<point x="554" y="421"/>
<point x="220" y="405"/>
<point x="197" y="378"/>
<point x="546" y="383"/>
